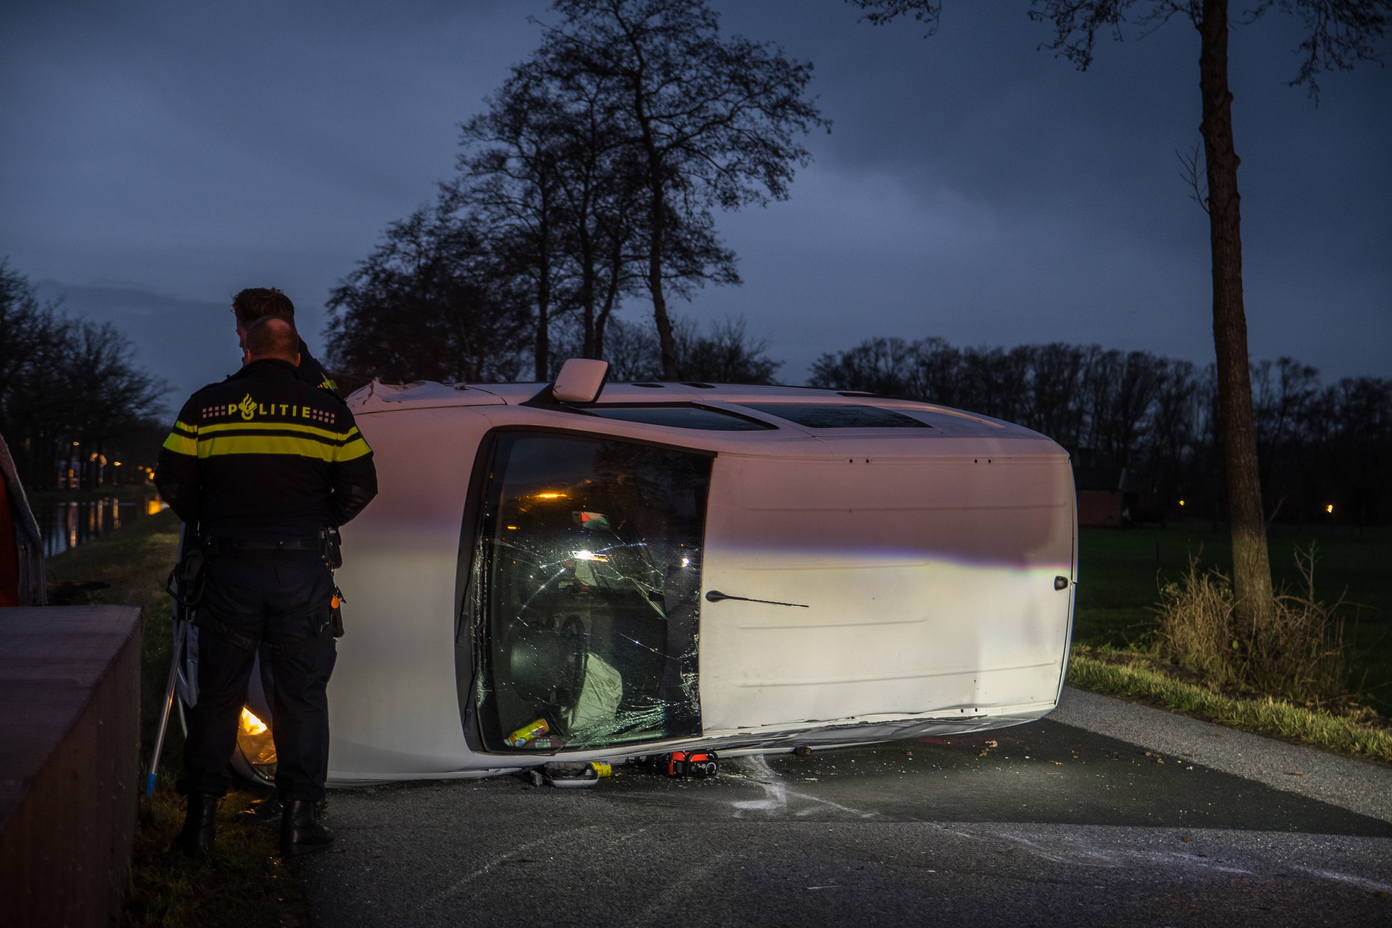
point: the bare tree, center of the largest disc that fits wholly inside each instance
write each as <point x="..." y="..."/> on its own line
<point x="599" y="195"/>
<point x="728" y="354"/>
<point x="876" y="365"/>
<point x="68" y="387"/>
<point x="1338" y="34"/>
<point x="1056" y="374"/>
<point x="430" y="302"/>
<point x="712" y="121"/>
<point x="1277" y="407"/>
<point x="555" y="170"/>
<point x="510" y="173"/>
<point x="1173" y="422"/>
<point x="20" y="317"/>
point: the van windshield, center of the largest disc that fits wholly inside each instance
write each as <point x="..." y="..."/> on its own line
<point x="588" y="593"/>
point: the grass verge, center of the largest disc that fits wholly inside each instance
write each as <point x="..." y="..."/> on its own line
<point x="244" y="883"/>
<point x="1121" y="574"/>
<point x="1133" y="675"/>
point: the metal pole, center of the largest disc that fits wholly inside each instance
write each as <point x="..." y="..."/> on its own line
<point x="180" y="632"/>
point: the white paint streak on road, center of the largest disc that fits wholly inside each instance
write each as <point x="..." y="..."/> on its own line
<point x="777" y="794"/>
<point x="1346" y="878"/>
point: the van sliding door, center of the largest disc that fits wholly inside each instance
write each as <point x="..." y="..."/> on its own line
<point x="589" y="578"/>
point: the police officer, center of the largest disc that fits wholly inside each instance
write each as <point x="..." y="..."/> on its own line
<point x="256" y="303"/>
<point x="249" y="305"/>
<point x="261" y="465"/>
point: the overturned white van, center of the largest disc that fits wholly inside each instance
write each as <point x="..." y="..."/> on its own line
<point x="670" y="566"/>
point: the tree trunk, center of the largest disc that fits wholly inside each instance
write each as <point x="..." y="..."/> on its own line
<point x="657" y="217"/>
<point x="1251" y="569"/>
<point x="587" y="288"/>
<point x="611" y="296"/>
<point x="659" y="300"/>
<point x="543" y="338"/>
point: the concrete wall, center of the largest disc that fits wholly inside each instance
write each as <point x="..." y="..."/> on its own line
<point x="69" y="762"/>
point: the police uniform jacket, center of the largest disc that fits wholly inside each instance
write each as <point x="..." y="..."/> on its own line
<point x="265" y="455"/>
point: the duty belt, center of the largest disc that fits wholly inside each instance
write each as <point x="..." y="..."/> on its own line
<point x="236" y="545"/>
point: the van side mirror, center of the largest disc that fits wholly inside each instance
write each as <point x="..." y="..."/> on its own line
<point x="580" y="380"/>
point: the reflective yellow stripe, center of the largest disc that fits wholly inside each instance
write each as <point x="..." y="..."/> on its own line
<point x="267" y="444"/>
<point x="181" y="444"/>
<point x="354" y="449"/>
<point x="278" y="427"/>
<point x="191" y="429"/>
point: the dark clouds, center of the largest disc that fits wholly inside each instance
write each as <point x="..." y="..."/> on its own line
<point x="973" y="187"/>
<point x="189" y="342"/>
<point x="1048" y="203"/>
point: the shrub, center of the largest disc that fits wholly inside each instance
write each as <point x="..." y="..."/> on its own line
<point x="1196" y="618"/>
<point x="1297" y="653"/>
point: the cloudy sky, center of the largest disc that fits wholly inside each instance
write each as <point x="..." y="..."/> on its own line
<point x="158" y="157"/>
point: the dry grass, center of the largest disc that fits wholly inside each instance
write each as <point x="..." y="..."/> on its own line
<point x="1296" y="653"/>
<point x="1285" y="676"/>
<point x="1350" y="731"/>
<point x="243" y="884"/>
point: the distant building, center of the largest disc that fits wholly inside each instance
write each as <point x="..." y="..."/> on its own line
<point x="1100" y="496"/>
<point x="1111" y="497"/>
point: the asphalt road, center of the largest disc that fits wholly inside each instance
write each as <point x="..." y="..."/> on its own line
<point x="1044" y="824"/>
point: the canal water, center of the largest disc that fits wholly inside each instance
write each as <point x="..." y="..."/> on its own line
<point x="66" y="525"/>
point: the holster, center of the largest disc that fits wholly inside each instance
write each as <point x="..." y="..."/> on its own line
<point x="330" y="547"/>
<point x="189" y="575"/>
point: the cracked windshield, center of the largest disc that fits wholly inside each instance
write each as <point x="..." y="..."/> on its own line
<point x="589" y="590"/>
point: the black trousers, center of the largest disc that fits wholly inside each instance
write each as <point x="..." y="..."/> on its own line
<point x="283" y="599"/>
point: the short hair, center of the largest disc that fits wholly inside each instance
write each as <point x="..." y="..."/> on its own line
<point x="258" y="302"/>
<point x="272" y="337"/>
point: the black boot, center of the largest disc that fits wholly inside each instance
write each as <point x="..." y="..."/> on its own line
<point x="200" y="825"/>
<point x="261" y="812"/>
<point x="300" y="831"/>
<point x="267" y="811"/>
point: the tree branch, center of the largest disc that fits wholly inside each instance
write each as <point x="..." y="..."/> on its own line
<point x="1190" y="173"/>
